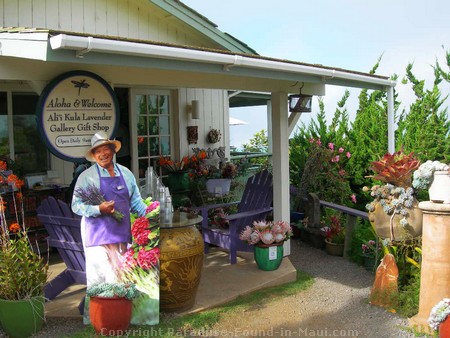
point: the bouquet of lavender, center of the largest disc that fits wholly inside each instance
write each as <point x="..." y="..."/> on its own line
<point x="92" y="195"/>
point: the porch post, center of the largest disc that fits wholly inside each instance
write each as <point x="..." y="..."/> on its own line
<point x="280" y="159"/>
<point x="391" y="126"/>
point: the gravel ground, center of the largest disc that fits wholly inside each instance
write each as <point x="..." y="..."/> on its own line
<point x="335" y="306"/>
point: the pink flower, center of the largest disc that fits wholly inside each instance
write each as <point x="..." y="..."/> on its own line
<point x="335" y="159"/>
<point x="348" y="154"/>
<point x="353" y="198"/>
<point x="331" y="146"/>
<point x="312" y="140"/>
<point x="148" y="259"/>
<point x="152" y="207"/>
<point x="128" y="260"/>
<point x="341" y="150"/>
<point x="319" y="142"/>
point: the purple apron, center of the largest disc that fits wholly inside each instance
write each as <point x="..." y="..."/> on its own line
<point x="104" y="229"/>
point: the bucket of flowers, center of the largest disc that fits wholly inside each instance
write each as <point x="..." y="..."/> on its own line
<point x="141" y="264"/>
<point x="267" y="237"/>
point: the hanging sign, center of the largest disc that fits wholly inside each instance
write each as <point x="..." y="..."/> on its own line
<point x="73" y="107"/>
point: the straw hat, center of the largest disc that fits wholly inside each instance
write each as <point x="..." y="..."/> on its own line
<point x="100" y="139"/>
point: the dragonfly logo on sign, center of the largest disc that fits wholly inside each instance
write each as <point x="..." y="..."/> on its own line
<point x="72" y="108"/>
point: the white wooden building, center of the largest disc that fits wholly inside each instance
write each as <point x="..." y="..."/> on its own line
<point x="160" y="49"/>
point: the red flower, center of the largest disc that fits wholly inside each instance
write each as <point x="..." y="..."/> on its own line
<point x="148" y="259"/>
<point x="142" y="237"/>
<point x="140" y="224"/>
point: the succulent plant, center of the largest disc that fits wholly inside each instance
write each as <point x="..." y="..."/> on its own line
<point x="126" y="290"/>
<point x="396" y="169"/>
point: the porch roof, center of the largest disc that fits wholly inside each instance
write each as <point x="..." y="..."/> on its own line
<point x="202" y="67"/>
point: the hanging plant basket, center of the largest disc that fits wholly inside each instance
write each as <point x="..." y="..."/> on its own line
<point x="214" y="136"/>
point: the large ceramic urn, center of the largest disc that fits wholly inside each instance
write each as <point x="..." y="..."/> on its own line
<point x="382" y="223"/>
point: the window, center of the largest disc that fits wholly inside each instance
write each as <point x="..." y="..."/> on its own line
<point x="26" y="147"/>
<point x="153" y="129"/>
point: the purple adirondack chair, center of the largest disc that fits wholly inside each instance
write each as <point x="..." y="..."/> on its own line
<point x="63" y="228"/>
<point x="255" y="204"/>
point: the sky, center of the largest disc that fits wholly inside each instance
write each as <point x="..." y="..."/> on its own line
<point x="349" y="34"/>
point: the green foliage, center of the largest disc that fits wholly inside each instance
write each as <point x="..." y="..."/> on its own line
<point x="23" y="272"/>
<point x="259" y="143"/>
<point x="424" y="129"/>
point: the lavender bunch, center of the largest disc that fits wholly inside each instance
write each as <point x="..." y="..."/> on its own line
<point x="92" y="195"/>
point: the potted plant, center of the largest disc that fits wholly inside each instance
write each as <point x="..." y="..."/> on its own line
<point x="268" y="239"/>
<point x="334" y="234"/>
<point x="219" y="179"/>
<point x="434" y="176"/>
<point x="439" y="318"/>
<point x="394" y="210"/>
<point x="110" y="306"/>
<point x="23" y="270"/>
<point x="371" y="254"/>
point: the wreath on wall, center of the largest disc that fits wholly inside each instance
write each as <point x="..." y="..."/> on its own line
<point x="214" y="136"/>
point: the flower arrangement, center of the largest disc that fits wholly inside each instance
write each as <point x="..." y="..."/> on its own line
<point x="423" y="176"/>
<point x="23" y="270"/>
<point x="332" y="229"/>
<point x="263" y="232"/>
<point x="214" y="136"/>
<point x="111" y="290"/>
<point x="93" y="196"/>
<point x="439" y="313"/>
<point x="187" y="163"/>
<point x="144" y="251"/>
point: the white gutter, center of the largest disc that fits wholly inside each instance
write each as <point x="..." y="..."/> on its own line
<point x="87" y="44"/>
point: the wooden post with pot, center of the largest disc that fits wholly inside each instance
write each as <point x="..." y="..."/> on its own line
<point x="435" y="270"/>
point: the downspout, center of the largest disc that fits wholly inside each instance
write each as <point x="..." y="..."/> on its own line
<point x="391" y="122"/>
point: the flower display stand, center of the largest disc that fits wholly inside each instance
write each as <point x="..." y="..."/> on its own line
<point x="435" y="267"/>
<point x="268" y="257"/>
<point x="22" y="318"/>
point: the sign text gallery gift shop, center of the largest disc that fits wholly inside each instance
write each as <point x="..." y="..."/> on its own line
<point x="73" y="107"/>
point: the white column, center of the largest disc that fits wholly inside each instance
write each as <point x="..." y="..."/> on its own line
<point x="280" y="159"/>
<point x="391" y="123"/>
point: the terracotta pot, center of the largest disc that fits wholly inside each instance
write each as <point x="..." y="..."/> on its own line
<point x="334" y="249"/>
<point x="444" y="328"/>
<point x="110" y="316"/>
<point x="381" y="222"/>
<point x="439" y="190"/>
